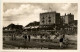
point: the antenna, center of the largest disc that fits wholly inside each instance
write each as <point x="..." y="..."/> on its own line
<point x="50" y="9"/>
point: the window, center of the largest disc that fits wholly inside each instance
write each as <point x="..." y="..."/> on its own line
<point x="43" y="18"/>
<point x="43" y="21"/>
<point x="49" y="17"/>
<point x="49" y="21"/>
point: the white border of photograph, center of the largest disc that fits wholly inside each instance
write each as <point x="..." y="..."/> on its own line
<point x="39" y="1"/>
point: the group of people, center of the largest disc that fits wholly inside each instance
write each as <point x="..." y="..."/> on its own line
<point x="62" y="38"/>
<point x="27" y="37"/>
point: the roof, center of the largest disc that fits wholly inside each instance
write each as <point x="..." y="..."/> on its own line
<point x="48" y="12"/>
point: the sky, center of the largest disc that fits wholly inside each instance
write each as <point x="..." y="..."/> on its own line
<point x="24" y="13"/>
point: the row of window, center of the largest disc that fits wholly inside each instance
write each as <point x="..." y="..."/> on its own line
<point x="48" y="17"/>
<point x="44" y="21"/>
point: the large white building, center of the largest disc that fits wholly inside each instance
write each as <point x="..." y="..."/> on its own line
<point x="49" y="18"/>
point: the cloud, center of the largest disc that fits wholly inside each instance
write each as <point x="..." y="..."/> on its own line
<point x="17" y="11"/>
<point x="24" y="14"/>
<point x="23" y="9"/>
<point x="66" y="6"/>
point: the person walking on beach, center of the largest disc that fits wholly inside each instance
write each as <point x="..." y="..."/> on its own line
<point x="29" y="38"/>
<point x="61" y="40"/>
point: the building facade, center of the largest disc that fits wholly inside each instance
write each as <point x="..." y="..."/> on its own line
<point x="49" y="18"/>
<point x="53" y="22"/>
<point x="68" y="19"/>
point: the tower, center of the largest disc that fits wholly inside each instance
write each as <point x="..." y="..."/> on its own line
<point x="69" y="18"/>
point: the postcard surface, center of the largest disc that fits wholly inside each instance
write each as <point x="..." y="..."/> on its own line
<point x="39" y="26"/>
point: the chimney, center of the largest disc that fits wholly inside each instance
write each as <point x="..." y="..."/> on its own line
<point x="70" y="13"/>
<point x="65" y="14"/>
